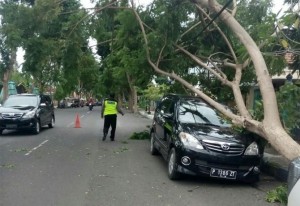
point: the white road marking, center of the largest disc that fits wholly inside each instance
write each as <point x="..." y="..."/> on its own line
<point x="44" y="142"/>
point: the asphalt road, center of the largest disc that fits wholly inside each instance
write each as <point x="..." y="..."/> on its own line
<point x="67" y="166"/>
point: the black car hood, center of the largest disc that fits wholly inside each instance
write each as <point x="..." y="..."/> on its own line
<point x="210" y="132"/>
<point x="24" y="109"/>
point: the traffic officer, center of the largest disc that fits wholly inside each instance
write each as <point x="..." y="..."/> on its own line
<point x="109" y="111"/>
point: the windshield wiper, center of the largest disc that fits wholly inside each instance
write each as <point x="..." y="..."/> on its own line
<point x="210" y="124"/>
<point x="21" y="106"/>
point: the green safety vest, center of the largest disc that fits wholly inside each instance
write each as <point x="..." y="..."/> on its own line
<point x="110" y="107"/>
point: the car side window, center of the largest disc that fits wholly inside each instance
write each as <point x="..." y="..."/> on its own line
<point x="48" y="99"/>
<point x="43" y="99"/>
<point x="167" y="106"/>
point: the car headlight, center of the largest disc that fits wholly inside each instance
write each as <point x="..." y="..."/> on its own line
<point x="190" y="141"/>
<point x="252" y="149"/>
<point x="29" y="115"/>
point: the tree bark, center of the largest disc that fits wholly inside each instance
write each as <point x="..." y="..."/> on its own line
<point x="133" y="94"/>
<point x="7" y="73"/>
<point x="130" y="102"/>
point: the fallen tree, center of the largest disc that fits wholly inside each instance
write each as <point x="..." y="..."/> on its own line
<point x="270" y="128"/>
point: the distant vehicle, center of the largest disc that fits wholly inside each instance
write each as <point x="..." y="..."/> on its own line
<point x="196" y="139"/>
<point x="68" y="102"/>
<point x="99" y="103"/>
<point x="27" y="112"/>
<point x="62" y="104"/>
<point x="75" y="103"/>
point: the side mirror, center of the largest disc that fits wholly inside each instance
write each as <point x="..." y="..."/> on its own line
<point x="168" y="116"/>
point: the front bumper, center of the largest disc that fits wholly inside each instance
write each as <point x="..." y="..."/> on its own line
<point x="17" y="124"/>
<point x="244" y="168"/>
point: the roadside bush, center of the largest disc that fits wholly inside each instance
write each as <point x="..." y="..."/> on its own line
<point x="140" y="135"/>
<point x="279" y="194"/>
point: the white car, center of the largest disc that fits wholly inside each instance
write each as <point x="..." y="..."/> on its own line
<point x="294" y="183"/>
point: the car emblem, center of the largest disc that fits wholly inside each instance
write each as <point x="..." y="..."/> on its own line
<point x="225" y="147"/>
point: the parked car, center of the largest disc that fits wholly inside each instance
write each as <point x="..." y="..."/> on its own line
<point x="27" y="112"/>
<point x="98" y="103"/>
<point x="75" y="103"/>
<point x="62" y="104"/>
<point x="196" y="139"/>
<point x="294" y="183"/>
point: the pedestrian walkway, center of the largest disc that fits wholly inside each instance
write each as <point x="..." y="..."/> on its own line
<point x="273" y="163"/>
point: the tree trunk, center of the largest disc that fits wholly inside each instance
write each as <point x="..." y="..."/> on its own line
<point x="7" y="73"/>
<point x="119" y="100"/>
<point x="5" y="85"/>
<point x="134" y="99"/>
<point x="133" y="94"/>
<point x="282" y="142"/>
<point x="271" y="128"/>
<point x="130" y="102"/>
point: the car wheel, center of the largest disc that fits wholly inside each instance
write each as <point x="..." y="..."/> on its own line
<point x="172" y="165"/>
<point x="37" y="127"/>
<point x="51" y="125"/>
<point x="254" y="179"/>
<point x="153" y="150"/>
<point x="1" y="131"/>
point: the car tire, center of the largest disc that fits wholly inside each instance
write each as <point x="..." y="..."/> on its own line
<point x="254" y="179"/>
<point x="172" y="165"/>
<point x="37" y="127"/>
<point x="153" y="150"/>
<point x="51" y="125"/>
<point x="1" y="131"/>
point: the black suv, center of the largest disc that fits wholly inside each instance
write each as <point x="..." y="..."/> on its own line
<point x="27" y="111"/>
<point x="196" y="139"/>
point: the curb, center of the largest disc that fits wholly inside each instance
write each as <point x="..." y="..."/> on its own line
<point x="146" y="114"/>
<point x="275" y="170"/>
<point x="275" y="164"/>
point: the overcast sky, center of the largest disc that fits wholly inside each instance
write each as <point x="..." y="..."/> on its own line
<point x="88" y="4"/>
<point x="277" y="3"/>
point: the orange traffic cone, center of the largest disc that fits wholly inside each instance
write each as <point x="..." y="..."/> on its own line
<point x="77" y="122"/>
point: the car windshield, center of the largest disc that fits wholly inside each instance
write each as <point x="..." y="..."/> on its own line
<point x="20" y="101"/>
<point x="196" y="112"/>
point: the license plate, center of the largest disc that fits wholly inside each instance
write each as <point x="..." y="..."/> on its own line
<point x="11" y="126"/>
<point x="227" y="174"/>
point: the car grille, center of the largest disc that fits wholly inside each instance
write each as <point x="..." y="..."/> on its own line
<point x="223" y="147"/>
<point x="205" y="164"/>
<point x="11" y="115"/>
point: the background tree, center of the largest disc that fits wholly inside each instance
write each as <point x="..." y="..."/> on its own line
<point x="10" y="37"/>
<point x="124" y="66"/>
<point x="60" y="50"/>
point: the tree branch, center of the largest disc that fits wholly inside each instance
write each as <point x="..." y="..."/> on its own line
<point x="222" y="34"/>
<point x="223" y="79"/>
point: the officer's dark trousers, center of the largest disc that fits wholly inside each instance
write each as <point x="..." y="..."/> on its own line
<point x="110" y="121"/>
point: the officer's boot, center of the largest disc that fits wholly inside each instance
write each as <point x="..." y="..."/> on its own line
<point x="104" y="136"/>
